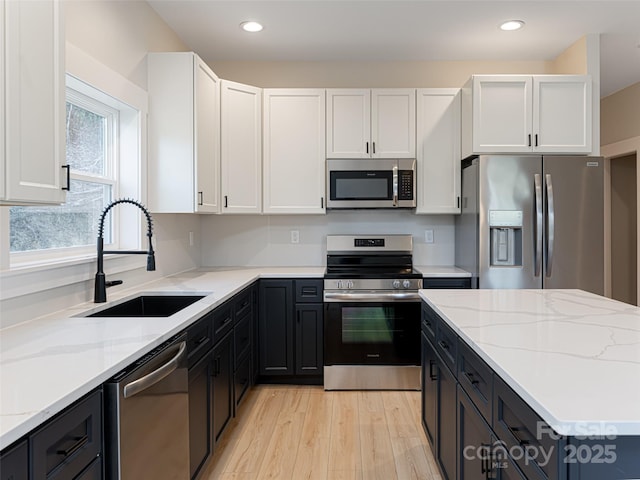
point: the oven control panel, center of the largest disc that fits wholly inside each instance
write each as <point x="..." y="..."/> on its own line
<point x="373" y="284"/>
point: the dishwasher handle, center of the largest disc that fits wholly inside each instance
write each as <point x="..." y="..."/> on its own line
<point x="137" y="386"/>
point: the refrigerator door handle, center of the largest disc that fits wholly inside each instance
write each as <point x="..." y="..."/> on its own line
<point x="537" y="180"/>
<point x="551" y="224"/>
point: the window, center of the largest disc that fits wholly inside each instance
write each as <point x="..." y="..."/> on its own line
<point x="92" y="154"/>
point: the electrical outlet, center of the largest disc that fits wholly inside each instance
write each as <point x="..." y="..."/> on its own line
<point x="295" y="236"/>
<point x="428" y="236"/>
<point x="191" y="239"/>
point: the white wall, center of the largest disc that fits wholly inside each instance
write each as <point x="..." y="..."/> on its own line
<point x="255" y="240"/>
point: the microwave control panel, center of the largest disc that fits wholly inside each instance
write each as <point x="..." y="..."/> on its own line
<point x="405" y="185"/>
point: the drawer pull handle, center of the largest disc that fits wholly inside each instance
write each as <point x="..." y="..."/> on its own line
<point x="432" y="376"/>
<point x="443" y="345"/>
<point x="202" y="340"/>
<point x="514" y="431"/>
<point x="472" y="381"/>
<point x="80" y="442"/>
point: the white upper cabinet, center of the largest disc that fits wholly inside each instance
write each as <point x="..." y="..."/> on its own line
<point x="184" y="134"/>
<point x="241" y="148"/>
<point x="32" y="87"/>
<point x="526" y="114"/>
<point x="562" y="114"/>
<point x="363" y="123"/>
<point x="438" y="148"/>
<point x="293" y="150"/>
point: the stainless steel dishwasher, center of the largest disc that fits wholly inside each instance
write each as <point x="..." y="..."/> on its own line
<point x="147" y="417"/>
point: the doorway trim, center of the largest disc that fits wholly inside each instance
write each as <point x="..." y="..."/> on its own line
<point x="622" y="148"/>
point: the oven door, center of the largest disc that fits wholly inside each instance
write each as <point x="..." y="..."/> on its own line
<point x="371" y="332"/>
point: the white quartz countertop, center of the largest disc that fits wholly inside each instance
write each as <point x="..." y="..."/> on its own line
<point x="443" y="271"/>
<point x="573" y="356"/>
<point x="48" y="363"/>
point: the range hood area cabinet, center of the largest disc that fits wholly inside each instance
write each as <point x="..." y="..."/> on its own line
<point x="378" y="123"/>
<point x="293" y="151"/>
<point x="241" y="148"/>
<point x="184" y="134"/>
<point x="32" y="102"/>
<point x="438" y="150"/>
<point x="527" y="114"/>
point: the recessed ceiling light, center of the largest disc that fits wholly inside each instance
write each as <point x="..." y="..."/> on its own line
<point x="511" y="25"/>
<point x="252" y="27"/>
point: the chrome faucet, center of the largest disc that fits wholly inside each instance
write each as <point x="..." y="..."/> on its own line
<point x="100" y="289"/>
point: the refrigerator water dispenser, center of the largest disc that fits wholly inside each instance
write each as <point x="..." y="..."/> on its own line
<point x="505" y="241"/>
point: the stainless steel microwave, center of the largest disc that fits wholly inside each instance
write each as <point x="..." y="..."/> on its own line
<point x="371" y="183"/>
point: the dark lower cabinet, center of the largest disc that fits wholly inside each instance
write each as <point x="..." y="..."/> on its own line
<point x="429" y="390"/>
<point x="199" y="414"/>
<point x="275" y="335"/>
<point x="474" y="442"/>
<point x="92" y="472"/>
<point x="14" y="462"/>
<point x="290" y="330"/>
<point x="222" y="379"/>
<point x="452" y="282"/>
<point x="72" y="441"/>
<point x="309" y="334"/>
<point x="446" y="438"/>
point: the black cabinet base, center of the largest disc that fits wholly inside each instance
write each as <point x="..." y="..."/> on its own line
<point x="290" y="380"/>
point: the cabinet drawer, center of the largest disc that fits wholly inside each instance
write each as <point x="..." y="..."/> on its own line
<point x="429" y="322"/>
<point x="65" y="446"/>
<point x="516" y="424"/>
<point x="242" y="340"/>
<point x="92" y="472"/>
<point x="14" y="463"/>
<point x="447" y="345"/>
<point x="199" y="339"/>
<point x="309" y="290"/>
<point x="242" y="379"/>
<point x="242" y="304"/>
<point x="430" y="282"/>
<point x="476" y="378"/>
<point x="222" y="321"/>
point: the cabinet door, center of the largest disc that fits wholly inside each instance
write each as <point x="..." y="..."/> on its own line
<point x="393" y="123"/>
<point x="502" y="117"/>
<point x="309" y="345"/>
<point x="349" y="123"/>
<point x="275" y="333"/>
<point x="429" y="390"/>
<point x="199" y="414"/>
<point x="293" y="151"/>
<point x="222" y="375"/>
<point x="34" y="92"/>
<point x="14" y="463"/>
<point x="438" y="145"/>
<point x="562" y="113"/>
<point x="447" y="432"/>
<point x="474" y="441"/>
<point x="241" y="148"/>
<point x="207" y="138"/>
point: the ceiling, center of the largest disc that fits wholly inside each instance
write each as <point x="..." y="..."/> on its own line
<point x="418" y="30"/>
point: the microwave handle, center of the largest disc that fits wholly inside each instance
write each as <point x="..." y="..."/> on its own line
<point x="395" y="185"/>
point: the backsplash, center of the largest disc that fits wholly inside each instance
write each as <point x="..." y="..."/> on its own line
<point x="265" y="240"/>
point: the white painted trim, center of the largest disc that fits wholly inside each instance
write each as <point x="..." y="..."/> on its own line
<point x="613" y="150"/>
<point x="593" y="69"/>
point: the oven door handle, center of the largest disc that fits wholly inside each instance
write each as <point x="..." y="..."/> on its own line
<point x="371" y="297"/>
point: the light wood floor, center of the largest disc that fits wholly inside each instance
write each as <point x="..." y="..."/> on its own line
<point x="293" y="432"/>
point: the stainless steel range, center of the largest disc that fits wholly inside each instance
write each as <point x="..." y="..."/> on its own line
<point x="371" y="314"/>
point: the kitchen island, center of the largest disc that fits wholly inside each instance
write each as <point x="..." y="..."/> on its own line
<point x="569" y="359"/>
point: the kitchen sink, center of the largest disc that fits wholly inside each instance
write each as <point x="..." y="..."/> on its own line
<point x="149" y="306"/>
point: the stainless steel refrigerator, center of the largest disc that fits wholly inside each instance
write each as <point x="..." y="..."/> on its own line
<point x="532" y="222"/>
